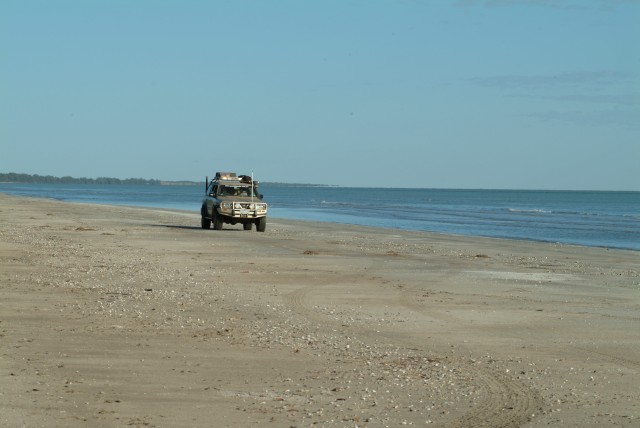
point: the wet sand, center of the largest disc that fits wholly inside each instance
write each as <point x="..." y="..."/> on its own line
<point x="114" y="316"/>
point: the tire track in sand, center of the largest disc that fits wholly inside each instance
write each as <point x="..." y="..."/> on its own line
<point x="626" y="362"/>
<point x="504" y="402"/>
<point x="501" y="402"/>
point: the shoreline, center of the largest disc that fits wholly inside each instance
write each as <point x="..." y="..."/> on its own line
<point x="615" y="248"/>
<point x="136" y="316"/>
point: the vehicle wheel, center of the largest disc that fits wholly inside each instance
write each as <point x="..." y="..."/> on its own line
<point x="261" y="224"/>
<point x="217" y="220"/>
<point x="247" y="226"/>
<point x="206" y="222"/>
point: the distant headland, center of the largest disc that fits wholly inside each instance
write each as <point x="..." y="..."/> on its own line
<point x="13" y="177"/>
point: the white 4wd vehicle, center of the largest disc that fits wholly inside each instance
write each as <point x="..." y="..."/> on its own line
<point x="232" y="199"/>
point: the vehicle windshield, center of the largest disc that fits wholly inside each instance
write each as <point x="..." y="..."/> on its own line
<point x="234" y="190"/>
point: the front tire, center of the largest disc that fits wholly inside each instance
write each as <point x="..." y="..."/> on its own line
<point x="205" y="222"/>
<point x="217" y="220"/>
<point x="261" y="224"/>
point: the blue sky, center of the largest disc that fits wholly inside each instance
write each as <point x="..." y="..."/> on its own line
<point x="522" y="94"/>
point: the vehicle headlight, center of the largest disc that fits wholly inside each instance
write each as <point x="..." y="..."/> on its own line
<point x="225" y="205"/>
<point x="252" y="206"/>
<point x="261" y="207"/>
<point x="237" y="206"/>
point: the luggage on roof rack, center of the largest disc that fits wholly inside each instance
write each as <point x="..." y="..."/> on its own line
<point x="225" y="175"/>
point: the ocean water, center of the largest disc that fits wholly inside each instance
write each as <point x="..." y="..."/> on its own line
<point x="598" y="219"/>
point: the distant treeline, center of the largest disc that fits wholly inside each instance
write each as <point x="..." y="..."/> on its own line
<point x="13" y="177"/>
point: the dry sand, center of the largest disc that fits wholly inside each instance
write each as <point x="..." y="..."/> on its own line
<point x="116" y="316"/>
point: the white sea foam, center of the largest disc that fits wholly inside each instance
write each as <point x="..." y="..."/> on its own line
<point x="530" y="210"/>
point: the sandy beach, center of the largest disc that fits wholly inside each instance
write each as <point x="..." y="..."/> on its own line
<point x="114" y="316"/>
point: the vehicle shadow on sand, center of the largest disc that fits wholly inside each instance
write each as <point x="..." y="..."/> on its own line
<point x="175" y="226"/>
